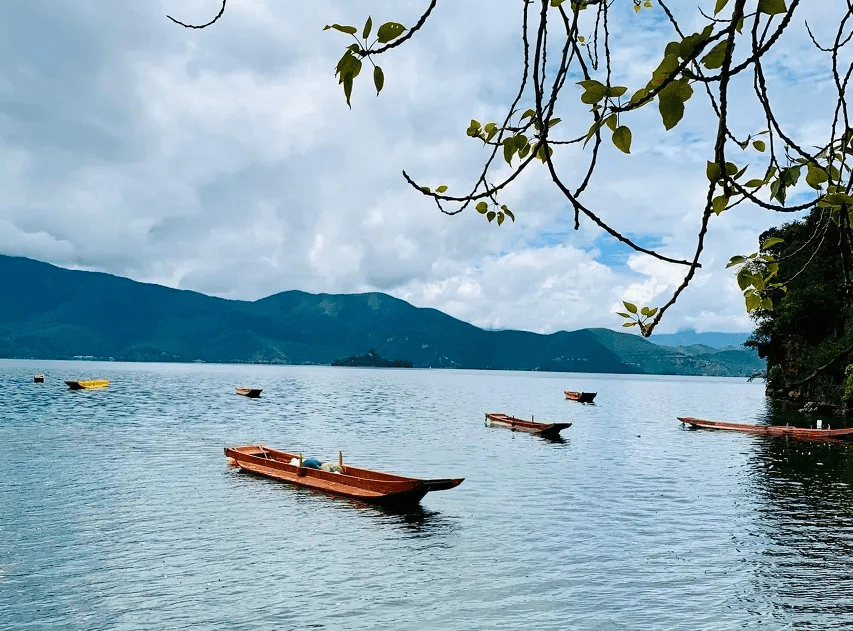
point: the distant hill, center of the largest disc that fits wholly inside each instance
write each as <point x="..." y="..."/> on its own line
<point x="690" y="338"/>
<point x="52" y="313"/>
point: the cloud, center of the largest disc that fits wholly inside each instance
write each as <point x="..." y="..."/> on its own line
<point x="227" y="161"/>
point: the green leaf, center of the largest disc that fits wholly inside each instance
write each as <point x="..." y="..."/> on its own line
<point x="482" y="207"/>
<point x="767" y="304"/>
<point x="671" y="106"/>
<point x="347" y="81"/>
<point x="500" y="218"/>
<point x="509" y="149"/>
<point x="593" y="94"/>
<point x="349" y="30"/>
<point x="772" y="7"/>
<point x="632" y="308"/>
<point x="753" y="301"/>
<point x="663" y="71"/>
<point x="616" y="90"/>
<point x="712" y="170"/>
<point x="378" y="79"/>
<point x="755" y="183"/>
<point x="441" y="189"/>
<point x="721" y="4"/>
<point x="816" y="176"/>
<point x="622" y="139"/>
<point x="389" y="31"/>
<point x="744" y="279"/>
<point x="490" y="215"/>
<point x="367" y="26"/>
<point x="719" y="204"/>
<point x="759" y="145"/>
<point x="612" y="121"/>
<point x="624" y="315"/>
<point x="629" y="324"/>
<point x="735" y="260"/>
<point x="715" y="57"/>
<point x="508" y="212"/>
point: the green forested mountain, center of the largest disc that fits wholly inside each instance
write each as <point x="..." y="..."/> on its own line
<point x="53" y="313"/>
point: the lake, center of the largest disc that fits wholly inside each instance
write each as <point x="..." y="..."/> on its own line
<point x="118" y="510"/>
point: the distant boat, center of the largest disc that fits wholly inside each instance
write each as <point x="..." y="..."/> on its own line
<point x="374" y="487"/>
<point x="88" y="384"/>
<point x="582" y="397"/>
<point x="800" y="433"/>
<point x="38" y="377"/>
<point x="546" y="430"/>
<point x="252" y="393"/>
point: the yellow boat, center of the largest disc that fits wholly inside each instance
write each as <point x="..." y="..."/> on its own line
<point x="88" y="384"/>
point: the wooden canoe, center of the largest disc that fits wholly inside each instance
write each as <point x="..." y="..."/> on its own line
<point x="546" y="430"/>
<point x="88" y="384"/>
<point x="800" y="433"/>
<point x="252" y="393"/>
<point x="374" y="487"/>
<point x="582" y="397"/>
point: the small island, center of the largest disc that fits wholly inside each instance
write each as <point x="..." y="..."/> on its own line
<point x="372" y="360"/>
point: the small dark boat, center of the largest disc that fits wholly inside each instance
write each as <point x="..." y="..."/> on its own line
<point x="252" y="393"/>
<point x="582" y="397"/>
<point x="545" y="430"/>
<point x="800" y="433"/>
<point x="374" y="487"/>
<point x="38" y="377"/>
<point x="87" y="384"/>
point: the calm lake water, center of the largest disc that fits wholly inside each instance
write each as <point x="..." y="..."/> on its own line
<point x="117" y="509"/>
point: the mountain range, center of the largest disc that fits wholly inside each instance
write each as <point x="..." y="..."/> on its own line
<point x="49" y="312"/>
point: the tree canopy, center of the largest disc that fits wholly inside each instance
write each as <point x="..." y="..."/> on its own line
<point x="573" y="96"/>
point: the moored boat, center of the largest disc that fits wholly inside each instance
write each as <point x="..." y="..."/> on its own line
<point x="366" y="485"/>
<point x="582" y="397"/>
<point x="800" y="433"/>
<point x="38" y="377"/>
<point x="252" y="393"/>
<point x="87" y="384"/>
<point x="546" y="430"/>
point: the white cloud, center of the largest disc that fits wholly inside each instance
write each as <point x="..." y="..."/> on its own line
<point x="226" y="161"/>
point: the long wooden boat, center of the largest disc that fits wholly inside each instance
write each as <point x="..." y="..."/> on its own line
<point x="800" y="433"/>
<point x="252" y="393"/>
<point x="546" y="430"/>
<point x="88" y="384"/>
<point x="374" y="487"/>
<point x="582" y="397"/>
<point x="38" y="377"/>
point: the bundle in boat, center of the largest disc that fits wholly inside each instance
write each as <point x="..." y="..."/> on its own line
<point x="546" y="430"/>
<point x="819" y="434"/>
<point x="375" y="487"/>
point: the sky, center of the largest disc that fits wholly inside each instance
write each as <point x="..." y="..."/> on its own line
<point x="226" y="161"/>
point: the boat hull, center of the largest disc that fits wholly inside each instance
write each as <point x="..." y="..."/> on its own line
<point x="38" y="378"/>
<point x="800" y="433"/>
<point x="252" y="393"/>
<point x="581" y="397"/>
<point x="374" y="487"/>
<point x="545" y="430"/>
<point x="87" y="384"/>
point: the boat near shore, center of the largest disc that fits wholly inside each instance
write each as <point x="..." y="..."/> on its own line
<point x="818" y="434"/>
<point x="374" y="487"/>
